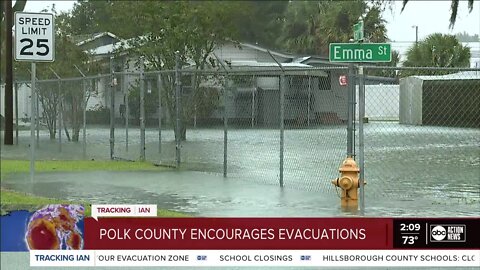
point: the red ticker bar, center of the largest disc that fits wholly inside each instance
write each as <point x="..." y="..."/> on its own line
<point x="281" y="233"/>
<point x="238" y="233"/>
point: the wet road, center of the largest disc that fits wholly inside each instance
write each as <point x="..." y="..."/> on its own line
<point x="410" y="171"/>
<point x="209" y="194"/>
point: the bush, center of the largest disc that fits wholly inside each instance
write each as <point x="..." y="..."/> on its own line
<point x="100" y="115"/>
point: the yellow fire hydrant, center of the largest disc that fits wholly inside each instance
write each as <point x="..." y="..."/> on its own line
<point x="349" y="183"/>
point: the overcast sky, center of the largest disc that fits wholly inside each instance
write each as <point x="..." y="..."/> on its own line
<point x="429" y="16"/>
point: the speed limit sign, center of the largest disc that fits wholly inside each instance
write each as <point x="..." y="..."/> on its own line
<point x="34" y="37"/>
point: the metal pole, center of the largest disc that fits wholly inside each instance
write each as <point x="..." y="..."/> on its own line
<point x="308" y="101"/>
<point x="16" y="112"/>
<point x="32" y="126"/>
<point x="84" y="119"/>
<point x="60" y="120"/>
<point x="225" y="127"/>
<point x="177" y="107"/>
<point x="60" y="109"/>
<point x="354" y="116"/>
<point x="350" y="108"/>
<point x="282" y="114"/>
<point x="159" y="86"/>
<point x="37" y="119"/>
<point x="225" y="117"/>
<point x="112" y="109"/>
<point x="361" y="158"/>
<point x="282" y="123"/>
<point x="84" y="100"/>
<point x="142" y="109"/>
<point x="253" y="100"/>
<point x="416" y="34"/>
<point x="127" y="110"/>
<point x="194" y="89"/>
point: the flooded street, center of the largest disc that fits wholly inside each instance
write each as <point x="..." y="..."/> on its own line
<point x="410" y="171"/>
<point x="207" y="194"/>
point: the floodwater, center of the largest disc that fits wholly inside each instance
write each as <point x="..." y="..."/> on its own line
<point x="410" y="171"/>
<point x="207" y="194"/>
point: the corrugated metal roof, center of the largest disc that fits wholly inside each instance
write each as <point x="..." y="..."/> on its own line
<point x="82" y="39"/>
<point x="266" y="64"/>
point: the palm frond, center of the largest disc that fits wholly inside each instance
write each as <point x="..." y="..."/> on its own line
<point x="453" y="15"/>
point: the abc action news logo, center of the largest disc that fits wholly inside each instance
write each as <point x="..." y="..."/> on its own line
<point x="448" y="233"/>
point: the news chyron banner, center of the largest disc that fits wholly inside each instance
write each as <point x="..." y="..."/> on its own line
<point x="132" y="235"/>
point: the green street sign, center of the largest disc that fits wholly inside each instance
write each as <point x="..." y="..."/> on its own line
<point x="360" y="52"/>
<point x="358" y="31"/>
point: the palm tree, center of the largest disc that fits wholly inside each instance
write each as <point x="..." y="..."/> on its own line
<point x="437" y="50"/>
<point x="310" y="26"/>
<point x="454" y="8"/>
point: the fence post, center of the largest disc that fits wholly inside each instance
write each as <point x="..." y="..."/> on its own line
<point x="127" y="108"/>
<point x="282" y="123"/>
<point x="112" y="109"/>
<point x="282" y="114"/>
<point x="60" y="109"/>
<point x="32" y="123"/>
<point x="193" y="81"/>
<point x="225" y="126"/>
<point x="225" y="116"/>
<point x="16" y="112"/>
<point x="84" y="132"/>
<point x="309" y="97"/>
<point x="361" y="145"/>
<point x="177" y="107"/>
<point x="142" y="109"/>
<point x="84" y="111"/>
<point x="60" y="116"/>
<point x="37" y="118"/>
<point x="159" y="86"/>
<point x="350" y="109"/>
<point x="253" y="99"/>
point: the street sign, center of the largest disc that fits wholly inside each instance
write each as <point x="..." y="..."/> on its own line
<point x="360" y="52"/>
<point x="343" y="80"/>
<point x="34" y="37"/>
<point x="358" y="31"/>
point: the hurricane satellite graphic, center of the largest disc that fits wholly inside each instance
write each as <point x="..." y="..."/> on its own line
<point x="55" y="226"/>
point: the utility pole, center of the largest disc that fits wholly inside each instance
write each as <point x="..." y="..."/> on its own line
<point x="8" y="138"/>
<point x="416" y="33"/>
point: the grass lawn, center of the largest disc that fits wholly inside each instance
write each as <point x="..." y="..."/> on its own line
<point x="23" y="166"/>
<point x="9" y="197"/>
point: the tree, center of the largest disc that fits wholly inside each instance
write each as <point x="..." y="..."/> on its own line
<point x="466" y="37"/>
<point x="68" y="57"/>
<point x="260" y="22"/>
<point x="90" y="16"/>
<point x="454" y="10"/>
<point x="437" y="50"/>
<point x="51" y="94"/>
<point x="162" y="29"/>
<point x="310" y="26"/>
<point x="391" y="73"/>
<point x="18" y="6"/>
<point x="151" y="99"/>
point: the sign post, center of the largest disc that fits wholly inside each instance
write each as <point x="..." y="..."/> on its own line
<point x="34" y="42"/>
<point x="357" y="52"/>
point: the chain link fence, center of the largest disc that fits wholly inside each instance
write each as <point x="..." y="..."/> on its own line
<point x="70" y="115"/>
<point x="422" y="137"/>
<point x="277" y="125"/>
